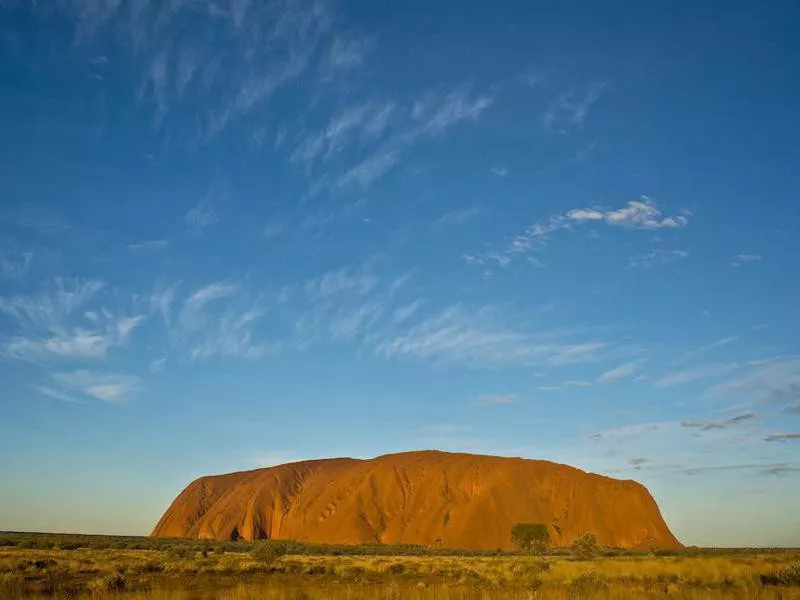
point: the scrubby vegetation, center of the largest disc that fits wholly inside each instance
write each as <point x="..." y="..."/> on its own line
<point x="90" y="567"/>
<point x="531" y="537"/>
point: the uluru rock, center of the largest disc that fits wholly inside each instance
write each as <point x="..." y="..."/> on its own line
<point x="427" y="498"/>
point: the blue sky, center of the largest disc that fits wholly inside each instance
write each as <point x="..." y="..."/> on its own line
<point x="238" y="233"/>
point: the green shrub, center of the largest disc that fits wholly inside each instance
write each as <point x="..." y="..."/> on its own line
<point x="585" y="586"/>
<point x="110" y="583"/>
<point x="530" y="536"/>
<point x="266" y="552"/>
<point x="397" y="568"/>
<point x="585" y="547"/>
<point x="180" y="552"/>
<point x="786" y="576"/>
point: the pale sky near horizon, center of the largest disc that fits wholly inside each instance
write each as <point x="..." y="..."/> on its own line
<point x="236" y="233"/>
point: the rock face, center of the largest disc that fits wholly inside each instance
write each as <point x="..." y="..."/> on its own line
<point x="427" y="498"/>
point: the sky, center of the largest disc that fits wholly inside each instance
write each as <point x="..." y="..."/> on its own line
<point x="237" y="233"/>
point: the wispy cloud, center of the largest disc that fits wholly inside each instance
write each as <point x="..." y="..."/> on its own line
<point x="549" y="388"/>
<point x="368" y="171"/>
<point x="201" y="215"/>
<point x="218" y="320"/>
<point x="494" y="399"/>
<point x="362" y="122"/>
<point x="637" y="214"/>
<point x="762" y="382"/>
<point x="401" y="313"/>
<point x="57" y="394"/>
<point x="14" y="263"/>
<point x="101" y="386"/>
<point x="350" y="305"/>
<point x="694" y="374"/>
<point x="776" y="469"/>
<point x="571" y="108"/>
<point x="709" y="424"/>
<point x="268" y="45"/>
<point x="387" y="129"/>
<point x="479" y="337"/>
<point x="48" y="325"/>
<point x="162" y="299"/>
<point x="347" y="53"/>
<point x="745" y="259"/>
<point x="148" y="245"/>
<point x="706" y="348"/>
<point x="48" y="309"/>
<point x="629" y="430"/>
<point x="456" y="217"/>
<point x="500" y="171"/>
<point x="623" y="371"/>
<point x="438" y="111"/>
<point x="782" y="437"/>
<point x="345" y="279"/>
<point x="657" y="257"/>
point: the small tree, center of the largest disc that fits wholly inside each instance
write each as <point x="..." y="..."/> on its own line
<point x="585" y="547"/>
<point x="531" y="536"/>
<point x="266" y="552"/>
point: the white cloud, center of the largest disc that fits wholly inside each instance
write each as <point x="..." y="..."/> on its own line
<point x="745" y="259"/>
<point x="76" y="344"/>
<point x="364" y="121"/>
<point x="630" y="430"/>
<point x="157" y="365"/>
<point x="126" y="325"/>
<point x="193" y="314"/>
<point x="457" y="217"/>
<point x="496" y="399"/>
<point x="14" y="263"/>
<point x="694" y="374"/>
<point x="480" y="337"/>
<point x="396" y="127"/>
<point x="782" y="437"/>
<point x="273" y="230"/>
<point x="571" y="108"/>
<point x="500" y="171"/>
<point x="341" y="280"/>
<point x="706" y="348"/>
<point x="162" y="300"/>
<point x="402" y="313"/>
<point x="368" y="171"/>
<point x="656" y="257"/>
<point x="623" y="371"/>
<point x="349" y="323"/>
<point x="201" y="215"/>
<point x="101" y="386"/>
<point x="576" y="383"/>
<point x="762" y="382"/>
<point x="437" y="111"/>
<point x="148" y="245"/>
<point x="46" y="329"/>
<point x="238" y="10"/>
<point x="348" y="53"/>
<point x="709" y="424"/>
<point x="57" y="395"/>
<point x="47" y="310"/>
<point x="637" y="214"/>
<point x="219" y="320"/>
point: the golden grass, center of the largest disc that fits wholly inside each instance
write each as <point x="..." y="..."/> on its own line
<point x="165" y="575"/>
